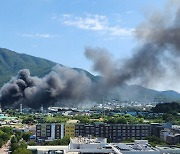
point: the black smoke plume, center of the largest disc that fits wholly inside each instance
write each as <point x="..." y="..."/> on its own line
<point x="157" y="56"/>
<point x="61" y="83"/>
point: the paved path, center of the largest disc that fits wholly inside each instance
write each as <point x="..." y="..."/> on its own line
<point x="5" y="148"/>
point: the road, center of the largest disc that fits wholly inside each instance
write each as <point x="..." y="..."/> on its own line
<point x="5" y="148"/>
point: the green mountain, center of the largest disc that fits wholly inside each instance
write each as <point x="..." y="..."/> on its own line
<point x="11" y="62"/>
<point x="142" y="94"/>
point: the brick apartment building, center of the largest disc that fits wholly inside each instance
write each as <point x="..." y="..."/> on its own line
<point x="114" y="132"/>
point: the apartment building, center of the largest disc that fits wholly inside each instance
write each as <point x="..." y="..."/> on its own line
<point x="49" y="131"/>
<point x="55" y="130"/>
<point x="69" y="130"/>
<point x="114" y="132"/>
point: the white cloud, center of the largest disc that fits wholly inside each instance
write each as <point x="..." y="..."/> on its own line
<point x="38" y="35"/>
<point x="96" y="23"/>
<point x="90" y="22"/>
<point x="117" y="31"/>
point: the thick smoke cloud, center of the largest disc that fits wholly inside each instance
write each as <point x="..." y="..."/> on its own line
<point x="61" y="83"/>
<point x="157" y="56"/>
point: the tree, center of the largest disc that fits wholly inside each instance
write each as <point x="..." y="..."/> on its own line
<point x="18" y="135"/>
<point x="1" y="144"/>
<point x="153" y="140"/>
<point x="7" y="130"/>
<point x="167" y="117"/>
<point x="63" y="141"/>
<point x="26" y="136"/>
<point x="32" y="143"/>
<point x="166" y="107"/>
<point x="22" y="151"/>
<point x="14" y="139"/>
<point x="14" y="146"/>
<point x="4" y="136"/>
<point x="28" y="120"/>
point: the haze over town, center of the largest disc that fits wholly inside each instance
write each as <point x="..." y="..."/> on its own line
<point x="63" y="31"/>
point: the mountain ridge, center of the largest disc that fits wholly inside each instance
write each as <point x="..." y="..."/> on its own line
<point x="11" y="62"/>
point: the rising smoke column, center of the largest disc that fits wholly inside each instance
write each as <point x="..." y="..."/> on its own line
<point x="158" y="54"/>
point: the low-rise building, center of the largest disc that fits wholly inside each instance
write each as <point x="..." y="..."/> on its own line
<point x="171" y="134"/>
<point x="173" y="139"/>
<point x="82" y="145"/>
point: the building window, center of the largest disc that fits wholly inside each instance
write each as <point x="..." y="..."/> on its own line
<point x="48" y="127"/>
<point x="48" y="135"/>
<point x="38" y="134"/>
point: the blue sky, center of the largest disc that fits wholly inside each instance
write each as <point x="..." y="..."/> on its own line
<point x="59" y="30"/>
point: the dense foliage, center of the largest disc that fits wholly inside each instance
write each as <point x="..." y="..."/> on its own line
<point x="11" y="62"/>
<point x="153" y="140"/>
<point x="167" y="107"/>
<point x="19" y="143"/>
<point x="22" y="151"/>
<point x="5" y="134"/>
<point x="63" y="141"/>
<point x="55" y="119"/>
<point x="120" y="119"/>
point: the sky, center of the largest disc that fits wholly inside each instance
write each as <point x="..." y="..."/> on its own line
<point x="60" y="30"/>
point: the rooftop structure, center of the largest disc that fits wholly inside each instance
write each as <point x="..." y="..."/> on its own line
<point x="168" y="149"/>
<point x="83" y="145"/>
<point x="138" y="147"/>
<point x="45" y="149"/>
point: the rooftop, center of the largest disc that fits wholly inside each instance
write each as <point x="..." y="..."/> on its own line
<point x="72" y="121"/>
<point x="171" y="148"/>
<point x="84" y="140"/>
<point x="99" y="145"/>
<point x="138" y="145"/>
<point x="43" y="148"/>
